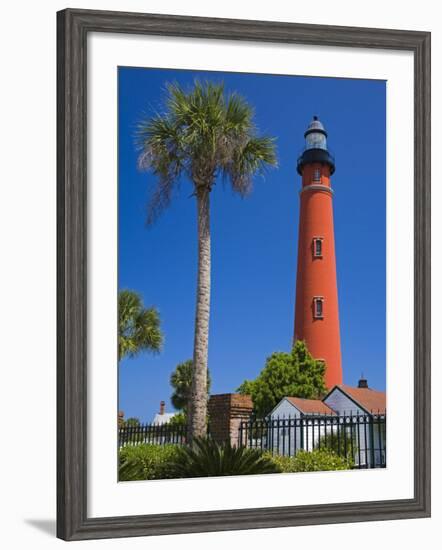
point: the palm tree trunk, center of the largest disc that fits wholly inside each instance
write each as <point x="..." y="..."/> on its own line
<point x="198" y="401"/>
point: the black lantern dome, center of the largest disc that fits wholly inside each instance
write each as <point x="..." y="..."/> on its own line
<point x="316" y="147"/>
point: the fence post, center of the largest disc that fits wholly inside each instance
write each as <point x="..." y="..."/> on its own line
<point x="373" y="454"/>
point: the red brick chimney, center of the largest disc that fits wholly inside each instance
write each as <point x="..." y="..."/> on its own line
<point x="120" y="418"/>
<point x="226" y="412"/>
<point x="162" y="407"/>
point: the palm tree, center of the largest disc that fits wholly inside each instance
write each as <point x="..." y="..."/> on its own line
<point x="138" y="327"/>
<point x="201" y="134"/>
<point x="181" y="382"/>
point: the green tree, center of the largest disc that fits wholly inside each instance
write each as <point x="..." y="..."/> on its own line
<point x="294" y="374"/>
<point x="202" y="134"/>
<point x="181" y="382"/>
<point x="138" y="327"/>
<point x="179" y="420"/>
<point x="132" y="421"/>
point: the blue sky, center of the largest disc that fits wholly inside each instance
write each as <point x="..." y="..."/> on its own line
<point x="254" y="240"/>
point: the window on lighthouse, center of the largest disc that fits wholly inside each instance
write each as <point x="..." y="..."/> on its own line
<point x="317" y="247"/>
<point x="318" y="307"/>
<point x="316" y="140"/>
<point x="316" y="175"/>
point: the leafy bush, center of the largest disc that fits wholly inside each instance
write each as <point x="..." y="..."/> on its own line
<point x="208" y="458"/>
<point x="295" y="373"/>
<point x="141" y="462"/>
<point x="178" y="419"/>
<point x="345" y="445"/>
<point x="130" y="422"/>
<point x="311" y="461"/>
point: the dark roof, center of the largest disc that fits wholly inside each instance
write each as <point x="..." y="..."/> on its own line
<point x="310" y="156"/>
<point x="310" y="406"/>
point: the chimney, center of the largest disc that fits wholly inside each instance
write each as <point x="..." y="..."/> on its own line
<point x="120" y="418"/>
<point x="162" y="407"/>
<point x="362" y="382"/>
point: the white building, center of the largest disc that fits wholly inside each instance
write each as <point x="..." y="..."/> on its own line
<point x="351" y="419"/>
<point x="364" y="411"/>
<point x="295" y="424"/>
<point x="162" y="417"/>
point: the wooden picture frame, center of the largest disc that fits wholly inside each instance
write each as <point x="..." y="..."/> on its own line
<point x="73" y="27"/>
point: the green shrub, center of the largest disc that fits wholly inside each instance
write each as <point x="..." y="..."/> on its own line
<point x="141" y="462"/>
<point x="311" y="461"/>
<point x="178" y="419"/>
<point x="207" y="458"/>
<point x="345" y="445"/>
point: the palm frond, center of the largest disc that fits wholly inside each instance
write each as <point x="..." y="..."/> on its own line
<point x="249" y="159"/>
<point x="208" y="458"/>
<point x="138" y="327"/>
<point x="160" y="151"/>
<point x="201" y="133"/>
<point x="239" y="114"/>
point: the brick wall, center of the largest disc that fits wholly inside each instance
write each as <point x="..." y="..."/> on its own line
<point x="226" y="412"/>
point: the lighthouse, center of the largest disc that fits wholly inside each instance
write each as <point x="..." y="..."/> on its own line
<point x="317" y="310"/>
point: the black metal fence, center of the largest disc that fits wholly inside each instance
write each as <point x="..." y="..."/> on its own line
<point x="359" y="437"/>
<point x="154" y="434"/>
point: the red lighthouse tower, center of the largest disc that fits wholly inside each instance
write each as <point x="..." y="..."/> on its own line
<point x="317" y="312"/>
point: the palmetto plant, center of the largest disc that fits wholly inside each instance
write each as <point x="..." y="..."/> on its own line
<point x="207" y="458"/>
<point x="138" y="327"/>
<point x="202" y="134"/>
